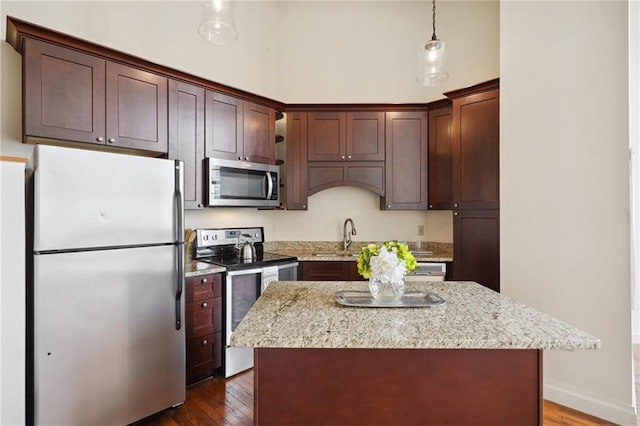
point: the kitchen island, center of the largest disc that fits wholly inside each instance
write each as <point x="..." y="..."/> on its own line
<point x="477" y="359"/>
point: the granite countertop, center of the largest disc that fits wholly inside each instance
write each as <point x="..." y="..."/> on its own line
<point x="304" y="314"/>
<point x="333" y="250"/>
<point x="194" y="268"/>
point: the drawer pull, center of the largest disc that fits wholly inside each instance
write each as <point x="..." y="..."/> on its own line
<point x="205" y="342"/>
<point x="203" y="281"/>
<point x="204" y="304"/>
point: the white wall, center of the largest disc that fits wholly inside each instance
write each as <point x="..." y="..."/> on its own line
<point x="565" y="189"/>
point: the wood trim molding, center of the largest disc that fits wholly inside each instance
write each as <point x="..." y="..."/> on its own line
<point x="13" y="159"/>
<point x="480" y="87"/>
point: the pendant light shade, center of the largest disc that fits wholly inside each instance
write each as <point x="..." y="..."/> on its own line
<point x="217" y="22"/>
<point x="431" y="59"/>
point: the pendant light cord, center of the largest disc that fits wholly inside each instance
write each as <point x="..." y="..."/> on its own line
<point x="433" y="37"/>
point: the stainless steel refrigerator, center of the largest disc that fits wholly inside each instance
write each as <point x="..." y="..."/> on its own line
<point x="105" y="282"/>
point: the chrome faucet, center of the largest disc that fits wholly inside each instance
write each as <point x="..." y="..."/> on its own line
<point x="346" y="236"/>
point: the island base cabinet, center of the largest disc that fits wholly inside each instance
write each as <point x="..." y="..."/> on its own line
<point x="397" y="386"/>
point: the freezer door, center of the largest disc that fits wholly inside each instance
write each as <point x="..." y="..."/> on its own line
<point x="106" y="349"/>
<point x="86" y="199"/>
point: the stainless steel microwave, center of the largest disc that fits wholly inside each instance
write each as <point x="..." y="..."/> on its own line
<point x="231" y="183"/>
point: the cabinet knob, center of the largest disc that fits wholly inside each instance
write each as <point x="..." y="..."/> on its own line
<point x="455" y="204"/>
<point x="205" y="342"/>
<point x="342" y="157"/>
<point x="304" y="206"/>
<point x="203" y="281"/>
<point x="388" y="206"/>
<point x="349" y="157"/>
<point x="204" y="304"/>
<point x="455" y="213"/>
<point x="239" y="158"/>
<point x="100" y="139"/>
<point x="430" y="206"/>
<point x="246" y="158"/>
<point x="111" y="140"/>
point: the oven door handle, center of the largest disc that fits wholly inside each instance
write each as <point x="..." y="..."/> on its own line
<point x="244" y="272"/>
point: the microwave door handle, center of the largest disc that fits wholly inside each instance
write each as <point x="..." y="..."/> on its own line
<point x="269" y="186"/>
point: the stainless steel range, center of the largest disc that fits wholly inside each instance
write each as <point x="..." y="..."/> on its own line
<point x="246" y="278"/>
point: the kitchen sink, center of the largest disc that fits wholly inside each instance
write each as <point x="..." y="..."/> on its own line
<point x="337" y="253"/>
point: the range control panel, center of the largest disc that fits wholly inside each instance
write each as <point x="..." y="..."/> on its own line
<point x="208" y="237"/>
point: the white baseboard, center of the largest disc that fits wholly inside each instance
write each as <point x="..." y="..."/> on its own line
<point x="594" y="405"/>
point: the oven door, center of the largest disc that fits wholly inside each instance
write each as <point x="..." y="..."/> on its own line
<point x="242" y="289"/>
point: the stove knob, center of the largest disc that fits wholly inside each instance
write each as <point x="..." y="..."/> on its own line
<point x="205" y="237"/>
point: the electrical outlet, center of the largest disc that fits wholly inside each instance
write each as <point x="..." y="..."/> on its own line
<point x="421" y="230"/>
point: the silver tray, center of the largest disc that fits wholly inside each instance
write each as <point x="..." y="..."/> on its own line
<point x="411" y="299"/>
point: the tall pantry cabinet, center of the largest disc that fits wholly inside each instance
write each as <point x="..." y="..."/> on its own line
<point x="470" y="150"/>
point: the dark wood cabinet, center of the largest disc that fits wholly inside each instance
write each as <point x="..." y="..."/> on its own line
<point x="475" y="133"/>
<point x="406" y="161"/>
<point x="203" y="317"/>
<point x="330" y="271"/>
<point x="186" y="137"/>
<point x="476" y="247"/>
<point x="363" y="174"/>
<point x="475" y="183"/>
<point x="224" y="124"/>
<point x="77" y="97"/>
<point x="440" y="159"/>
<point x="259" y="142"/>
<point x="296" y="178"/>
<point x="239" y="130"/>
<point x="346" y="136"/>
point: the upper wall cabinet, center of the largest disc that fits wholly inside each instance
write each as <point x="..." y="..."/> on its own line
<point x="406" y="161"/>
<point x="259" y="143"/>
<point x="296" y="178"/>
<point x="440" y="159"/>
<point x="475" y="144"/>
<point x="186" y="137"/>
<point x="72" y="96"/>
<point x="239" y="130"/>
<point x="346" y="136"/>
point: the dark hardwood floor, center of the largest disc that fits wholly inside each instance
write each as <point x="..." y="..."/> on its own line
<point x="230" y="402"/>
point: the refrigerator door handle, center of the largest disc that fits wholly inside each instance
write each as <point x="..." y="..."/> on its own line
<point x="179" y="179"/>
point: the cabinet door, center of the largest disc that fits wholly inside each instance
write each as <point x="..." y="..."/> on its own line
<point x="365" y="136"/>
<point x="440" y="160"/>
<point x="327" y="136"/>
<point x="259" y="133"/>
<point x="476" y="247"/>
<point x="223" y="126"/>
<point x="186" y="137"/>
<point x="296" y="179"/>
<point x="406" y="161"/>
<point x="475" y="136"/>
<point x="136" y="109"/>
<point x="64" y="93"/>
<point x="367" y="175"/>
<point x="325" y="271"/>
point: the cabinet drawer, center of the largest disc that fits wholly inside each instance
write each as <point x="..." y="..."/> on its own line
<point x="203" y="287"/>
<point x="204" y="317"/>
<point x="204" y="355"/>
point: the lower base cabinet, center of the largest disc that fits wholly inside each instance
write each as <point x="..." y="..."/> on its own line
<point x="203" y="317"/>
<point x="330" y="271"/>
<point x="476" y="247"/>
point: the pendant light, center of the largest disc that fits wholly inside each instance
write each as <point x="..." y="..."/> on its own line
<point x="432" y="59"/>
<point x="217" y="22"/>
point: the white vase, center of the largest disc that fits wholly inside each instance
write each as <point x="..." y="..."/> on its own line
<point x="386" y="291"/>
